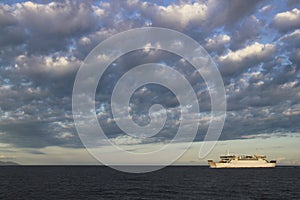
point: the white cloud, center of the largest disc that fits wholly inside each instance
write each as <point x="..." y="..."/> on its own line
<point x="64" y="135"/>
<point x="254" y="50"/>
<point x="293" y="110"/>
<point x="246" y="57"/>
<point x="287" y="20"/>
<point x="185" y="13"/>
<point x="84" y="41"/>
<point x="55" y="17"/>
<point x="208" y="14"/>
<point x="129" y="140"/>
<point x="176" y="15"/>
<point x="289" y="85"/>
<point x="98" y="11"/>
<point x="217" y="41"/>
<point x="265" y="8"/>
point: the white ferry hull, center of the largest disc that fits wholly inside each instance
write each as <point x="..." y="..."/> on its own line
<point x="243" y="164"/>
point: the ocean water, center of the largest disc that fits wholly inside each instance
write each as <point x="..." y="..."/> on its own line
<point x="71" y="182"/>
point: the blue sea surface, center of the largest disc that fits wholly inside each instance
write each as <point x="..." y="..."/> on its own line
<point x="178" y="182"/>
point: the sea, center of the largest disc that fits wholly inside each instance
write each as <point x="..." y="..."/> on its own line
<point x="176" y="182"/>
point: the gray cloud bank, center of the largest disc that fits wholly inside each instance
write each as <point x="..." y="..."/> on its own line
<point x="256" y="46"/>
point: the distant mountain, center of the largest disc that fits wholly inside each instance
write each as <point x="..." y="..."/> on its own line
<point x="8" y="163"/>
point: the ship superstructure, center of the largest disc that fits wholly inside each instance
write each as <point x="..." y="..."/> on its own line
<point x="242" y="161"/>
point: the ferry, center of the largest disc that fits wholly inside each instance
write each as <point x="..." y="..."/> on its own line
<point x="242" y="161"/>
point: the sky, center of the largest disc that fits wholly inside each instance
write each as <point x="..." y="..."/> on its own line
<point x="255" y="45"/>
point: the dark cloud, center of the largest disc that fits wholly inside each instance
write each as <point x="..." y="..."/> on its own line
<point x="229" y="12"/>
<point x="246" y="31"/>
<point x="47" y="27"/>
<point x="292" y="3"/>
<point x="292" y="39"/>
<point x="295" y="58"/>
<point x="36" y="134"/>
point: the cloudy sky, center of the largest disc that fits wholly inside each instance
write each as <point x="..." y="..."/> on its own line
<point x="255" y="45"/>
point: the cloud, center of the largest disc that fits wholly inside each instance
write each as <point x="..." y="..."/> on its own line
<point x="42" y="45"/>
<point x="11" y="32"/>
<point x="265" y="136"/>
<point x="295" y="57"/>
<point x="265" y="8"/>
<point x="46" y="27"/>
<point x="217" y="41"/>
<point x="246" y="31"/>
<point x="186" y="15"/>
<point x="236" y="61"/>
<point x="288" y="20"/>
<point x="55" y="18"/>
<point x="293" y="110"/>
<point x="50" y="65"/>
<point x="173" y="15"/>
<point x="292" y="39"/>
<point x="36" y="134"/>
<point x="292" y="3"/>
<point x="227" y="13"/>
<point x="3" y="157"/>
<point x="129" y="140"/>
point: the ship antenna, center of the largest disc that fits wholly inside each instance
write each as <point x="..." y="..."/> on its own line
<point x="228" y="152"/>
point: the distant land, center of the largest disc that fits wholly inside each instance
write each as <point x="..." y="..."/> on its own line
<point x="8" y="163"/>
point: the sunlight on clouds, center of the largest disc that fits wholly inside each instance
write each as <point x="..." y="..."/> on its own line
<point x="253" y="54"/>
<point x="294" y="110"/>
<point x="216" y="41"/>
<point x="265" y="8"/>
<point x="129" y="140"/>
<point x="177" y="14"/>
<point x="255" y="50"/>
<point x="287" y="20"/>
